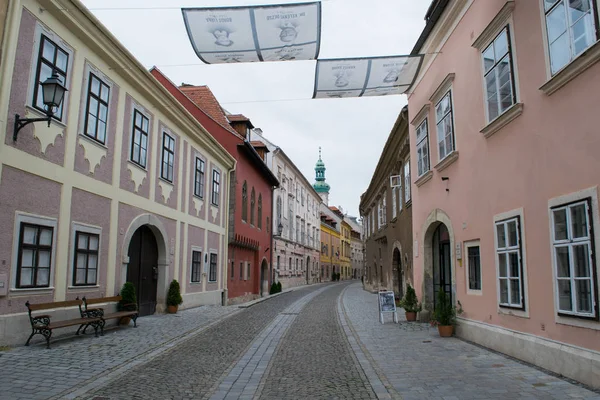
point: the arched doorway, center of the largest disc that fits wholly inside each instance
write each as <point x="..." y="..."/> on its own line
<point x="442" y="269"/>
<point x="142" y="269"/>
<point x="397" y="271"/>
<point x="264" y="277"/>
<point x="308" y="269"/>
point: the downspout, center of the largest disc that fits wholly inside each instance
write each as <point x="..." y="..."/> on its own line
<point x="272" y="240"/>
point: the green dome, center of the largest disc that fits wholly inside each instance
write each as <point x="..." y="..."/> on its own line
<point x="320" y="185"/>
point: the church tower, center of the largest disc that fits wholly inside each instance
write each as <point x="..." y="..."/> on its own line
<point x="320" y="185"/>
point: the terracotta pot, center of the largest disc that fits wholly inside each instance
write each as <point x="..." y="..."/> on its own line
<point x="172" y="309"/>
<point x="125" y="321"/>
<point x="411" y="316"/>
<point x="445" y="330"/>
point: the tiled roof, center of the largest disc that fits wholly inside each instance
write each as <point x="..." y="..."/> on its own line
<point x="237" y="118"/>
<point x="206" y="100"/>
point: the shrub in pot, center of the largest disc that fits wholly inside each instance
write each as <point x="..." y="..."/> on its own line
<point x="278" y="287"/>
<point x="128" y="301"/>
<point x="444" y="314"/>
<point x="273" y="289"/>
<point x="411" y="304"/>
<point x="174" y="297"/>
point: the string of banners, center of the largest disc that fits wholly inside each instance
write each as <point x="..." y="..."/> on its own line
<point x="288" y="32"/>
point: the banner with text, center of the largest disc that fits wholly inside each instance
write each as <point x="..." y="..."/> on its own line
<point x="280" y="32"/>
<point x="358" y="77"/>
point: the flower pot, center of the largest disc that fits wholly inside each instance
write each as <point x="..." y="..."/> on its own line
<point x="445" y="330"/>
<point x="411" y="316"/>
<point x="172" y="309"/>
<point x="125" y="320"/>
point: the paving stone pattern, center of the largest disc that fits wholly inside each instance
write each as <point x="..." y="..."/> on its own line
<point x="37" y="373"/>
<point x="314" y="359"/>
<point x="421" y="365"/>
<point x="192" y="369"/>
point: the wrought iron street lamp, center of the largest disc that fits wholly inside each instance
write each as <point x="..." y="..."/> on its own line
<point x="279" y="229"/>
<point x="53" y="92"/>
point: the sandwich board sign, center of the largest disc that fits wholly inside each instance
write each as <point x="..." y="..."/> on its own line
<point x="387" y="304"/>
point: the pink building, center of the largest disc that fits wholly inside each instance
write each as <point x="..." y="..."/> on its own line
<point x="504" y="150"/>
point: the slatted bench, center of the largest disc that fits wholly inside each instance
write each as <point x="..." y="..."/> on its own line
<point x="99" y="312"/>
<point x="42" y="324"/>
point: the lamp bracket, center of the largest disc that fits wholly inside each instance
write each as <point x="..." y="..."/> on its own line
<point x="21" y="122"/>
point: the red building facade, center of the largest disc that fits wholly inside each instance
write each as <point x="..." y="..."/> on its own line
<point x="251" y="191"/>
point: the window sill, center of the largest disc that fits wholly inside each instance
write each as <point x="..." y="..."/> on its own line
<point x="163" y="180"/>
<point x="501" y="121"/>
<point x="41" y="114"/>
<point x="581" y="322"/>
<point x="137" y="165"/>
<point x="93" y="141"/>
<point x="196" y="283"/>
<point x="450" y="158"/>
<point x="513" y="312"/>
<point x="582" y="62"/>
<point x="426" y="177"/>
<point x="90" y="287"/>
<point x="472" y="292"/>
<point x="198" y="197"/>
<point x="32" y="291"/>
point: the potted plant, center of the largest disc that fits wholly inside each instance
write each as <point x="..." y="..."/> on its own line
<point x="411" y="304"/>
<point x="444" y="315"/>
<point x="174" y="297"/>
<point x="128" y="301"/>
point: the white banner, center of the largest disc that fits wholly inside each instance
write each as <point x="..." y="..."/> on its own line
<point x="358" y="77"/>
<point x="280" y="32"/>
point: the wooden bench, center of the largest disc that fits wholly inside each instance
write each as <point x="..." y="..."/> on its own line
<point x="42" y="324"/>
<point x="99" y="312"/>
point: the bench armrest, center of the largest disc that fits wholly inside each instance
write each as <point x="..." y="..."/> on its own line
<point x="93" y="313"/>
<point x="41" y="320"/>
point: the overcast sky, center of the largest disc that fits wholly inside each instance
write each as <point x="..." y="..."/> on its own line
<point x="276" y="96"/>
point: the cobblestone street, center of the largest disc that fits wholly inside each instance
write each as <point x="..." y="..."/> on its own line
<point x="317" y="342"/>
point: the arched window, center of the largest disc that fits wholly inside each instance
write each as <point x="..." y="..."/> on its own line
<point x="252" y="202"/>
<point x="244" y="202"/>
<point x="279" y="212"/>
<point x="259" y="211"/>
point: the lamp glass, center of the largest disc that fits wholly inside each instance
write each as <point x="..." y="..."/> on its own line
<point x="53" y="92"/>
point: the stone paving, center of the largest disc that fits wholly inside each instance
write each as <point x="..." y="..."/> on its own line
<point x="314" y="359"/>
<point x="74" y="361"/>
<point x="413" y="362"/>
<point x="194" y="368"/>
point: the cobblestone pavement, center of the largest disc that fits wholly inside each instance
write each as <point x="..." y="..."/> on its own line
<point x="192" y="370"/>
<point x="314" y="359"/>
<point x="413" y="362"/>
<point x="73" y="361"/>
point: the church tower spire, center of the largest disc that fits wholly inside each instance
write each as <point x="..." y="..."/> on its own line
<point x="320" y="185"/>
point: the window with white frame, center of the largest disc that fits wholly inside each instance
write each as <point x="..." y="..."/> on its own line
<point x="574" y="264"/>
<point x="498" y="75"/>
<point x="85" y="265"/>
<point x="96" y="113"/>
<point x="423" y="147"/>
<point x="216" y="183"/>
<point x="407" y="181"/>
<point x="139" y="142"/>
<point x="571" y="29"/>
<point x="168" y="157"/>
<point x="473" y="257"/>
<point x="196" y="266"/>
<point x="510" y="271"/>
<point x="212" y="271"/>
<point x="394" y="203"/>
<point x="445" y="125"/>
<point x="51" y="58"/>
<point x="199" y="178"/>
<point x="384" y="208"/>
<point x="34" y="258"/>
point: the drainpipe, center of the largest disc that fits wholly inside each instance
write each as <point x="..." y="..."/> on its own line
<point x="272" y="240"/>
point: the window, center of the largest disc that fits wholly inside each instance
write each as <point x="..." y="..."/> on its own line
<point x="499" y="75"/>
<point x="278" y="257"/>
<point x="508" y="250"/>
<point x="51" y="58"/>
<point x="232" y="270"/>
<point x="473" y="266"/>
<point x="260" y="212"/>
<point x="252" y="204"/>
<point x="212" y="272"/>
<point x="394" y="203"/>
<point x="196" y="266"/>
<point x="85" y="271"/>
<point x="199" y="178"/>
<point x="445" y="126"/>
<point x="241" y="270"/>
<point x="96" y="113"/>
<point x="168" y="155"/>
<point x="297" y="229"/>
<point x="279" y="211"/>
<point x="423" y="148"/>
<point x="407" y="181"/>
<point x="290" y="263"/>
<point x="571" y="29"/>
<point x="139" y="144"/>
<point x="245" y="202"/>
<point x="296" y="264"/>
<point x="35" y="256"/>
<point x="215" y="187"/>
<point x="573" y="259"/>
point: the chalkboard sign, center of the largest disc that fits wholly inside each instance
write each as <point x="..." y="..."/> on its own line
<point x="387" y="304"/>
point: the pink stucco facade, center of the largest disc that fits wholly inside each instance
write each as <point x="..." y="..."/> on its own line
<point x="545" y="155"/>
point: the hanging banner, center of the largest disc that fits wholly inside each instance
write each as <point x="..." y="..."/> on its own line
<point x="280" y="32"/>
<point x="358" y="77"/>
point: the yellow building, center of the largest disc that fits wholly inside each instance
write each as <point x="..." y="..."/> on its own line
<point x="346" y="250"/>
<point x="330" y="244"/>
